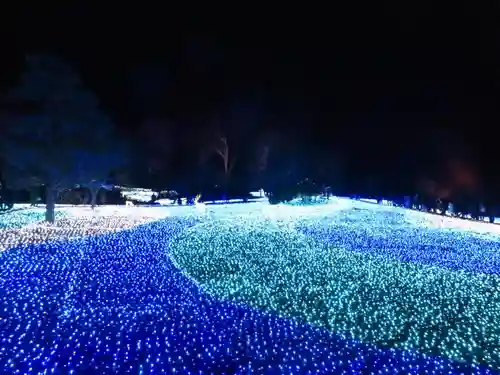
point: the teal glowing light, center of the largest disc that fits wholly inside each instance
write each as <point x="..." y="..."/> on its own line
<point x="268" y="264"/>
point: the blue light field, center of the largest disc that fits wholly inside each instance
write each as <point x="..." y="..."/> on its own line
<point x="298" y="293"/>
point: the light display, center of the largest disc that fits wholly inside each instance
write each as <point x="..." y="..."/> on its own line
<point x="65" y="228"/>
<point x="22" y="218"/>
<point x="118" y="303"/>
<point x="408" y="236"/>
<point x="372" y="298"/>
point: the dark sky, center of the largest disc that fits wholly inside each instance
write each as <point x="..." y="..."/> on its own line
<point x="388" y="70"/>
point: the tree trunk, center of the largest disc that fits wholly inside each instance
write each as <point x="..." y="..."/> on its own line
<point x="93" y="194"/>
<point x="85" y="197"/>
<point x="33" y="196"/>
<point x="226" y="164"/>
<point x="102" y="198"/>
<point x="50" y="204"/>
<point x="225" y="187"/>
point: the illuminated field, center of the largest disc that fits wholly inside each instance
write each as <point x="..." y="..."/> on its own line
<point x="21" y="218"/>
<point x="375" y="299"/>
<point x="344" y="288"/>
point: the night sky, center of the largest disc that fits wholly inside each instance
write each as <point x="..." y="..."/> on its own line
<point x="367" y="79"/>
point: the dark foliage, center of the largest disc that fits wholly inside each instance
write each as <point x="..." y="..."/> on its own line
<point x="65" y="142"/>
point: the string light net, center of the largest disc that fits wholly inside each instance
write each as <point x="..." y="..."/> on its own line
<point x="253" y="293"/>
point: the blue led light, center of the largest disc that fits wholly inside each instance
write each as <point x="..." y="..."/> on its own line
<point x="116" y="303"/>
<point x="397" y="234"/>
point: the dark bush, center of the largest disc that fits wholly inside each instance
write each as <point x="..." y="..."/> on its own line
<point x="282" y="195"/>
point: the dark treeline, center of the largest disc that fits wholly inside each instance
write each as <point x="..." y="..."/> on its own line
<point x="56" y="137"/>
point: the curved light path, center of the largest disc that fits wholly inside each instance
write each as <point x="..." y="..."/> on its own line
<point x="116" y="303"/>
<point x="404" y="305"/>
<point x="407" y="236"/>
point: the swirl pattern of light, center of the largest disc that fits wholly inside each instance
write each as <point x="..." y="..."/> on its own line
<point x="408" y="236"/>
<point x="378" y="300"/>
<point x="116" y="303"/>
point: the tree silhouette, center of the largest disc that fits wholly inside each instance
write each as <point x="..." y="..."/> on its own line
<point x="230" y="135"/>
<point x="264" y="146"/>
<point x="65" y="140"/>
<point x="99" y="169"/>
<point x="221" y="148"/>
